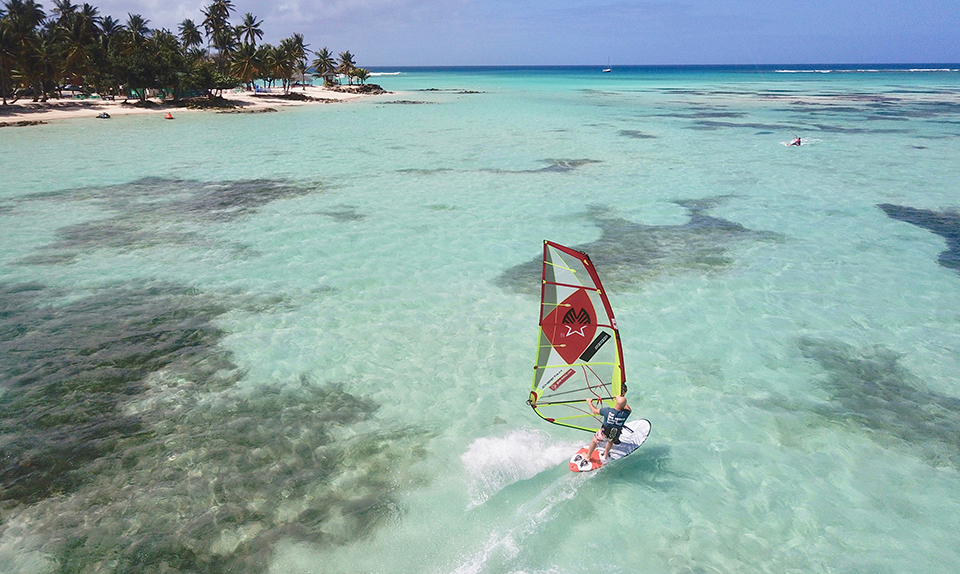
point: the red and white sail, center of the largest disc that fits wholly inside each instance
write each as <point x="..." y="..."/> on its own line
<point x="579" y="356"/>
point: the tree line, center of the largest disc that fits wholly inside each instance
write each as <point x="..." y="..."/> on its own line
<point x="74" y="46"/>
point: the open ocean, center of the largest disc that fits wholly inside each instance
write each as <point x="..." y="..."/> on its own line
<point x="302" y="342"/>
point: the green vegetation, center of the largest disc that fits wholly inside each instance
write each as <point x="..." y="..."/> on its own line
<point x="73" y="47"/>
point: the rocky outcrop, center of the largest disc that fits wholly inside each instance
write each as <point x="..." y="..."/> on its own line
<point x="22" y="123"/>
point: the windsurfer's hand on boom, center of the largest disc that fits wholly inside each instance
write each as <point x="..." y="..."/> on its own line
<point x="593" y="409"/>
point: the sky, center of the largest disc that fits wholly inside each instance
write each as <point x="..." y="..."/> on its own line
<point x="384" y="33"/>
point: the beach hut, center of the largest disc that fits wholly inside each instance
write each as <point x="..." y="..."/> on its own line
<point x="330" y="78"/>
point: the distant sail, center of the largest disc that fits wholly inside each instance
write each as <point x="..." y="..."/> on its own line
<point x="579" y="355"/>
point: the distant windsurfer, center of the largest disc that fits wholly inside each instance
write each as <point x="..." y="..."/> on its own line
<point x="796" y="141"/>
<point x="613" y="420"/>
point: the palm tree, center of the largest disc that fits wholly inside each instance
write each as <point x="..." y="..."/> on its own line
<point x="23" y="19"/>
<point x="25" y="15"/>
<point x="286" y="62"/>
<point x="218" y="12"/>
<point x="298" y="46"/>
<point x="167" y="62"/>
<point x="220" y="34"/>
<point x="189" y="34"/>
<point x="267" y="55"/>
<point x="298" y="52"/>
<point x="76" y="45"/>
<point x="347" y="65"/>
<point x="63" y="9"/>
<point x="361" y="74"/>
<point x="225" y="41"/>
<point x="106" y="37"/>
<point x="46" y="63"/>
<point x="136" y="29"/>
<point x="323" y="64"/>
<point x="8" y="55"/>
<point x="89" y="16"/>
<point x="79" y="35"/>
<point x="110" y="27"/>
<point x="246" y="63"/>
<point x="195" y="55"/>
<point x="301" y="69"/>
<point x="249" y="29"/>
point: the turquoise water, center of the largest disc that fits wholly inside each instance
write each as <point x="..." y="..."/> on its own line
<point x="301" y="342"/>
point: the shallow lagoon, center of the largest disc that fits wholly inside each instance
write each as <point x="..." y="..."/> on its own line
<point x="302" y="342"/>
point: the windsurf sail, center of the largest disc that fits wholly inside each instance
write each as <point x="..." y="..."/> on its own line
<point x="579" y="355"/>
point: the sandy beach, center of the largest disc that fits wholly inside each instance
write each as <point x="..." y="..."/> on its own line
<point x="29" y="113"/>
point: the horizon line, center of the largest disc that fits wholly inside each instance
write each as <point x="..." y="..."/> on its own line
<point x="902" y="65"/>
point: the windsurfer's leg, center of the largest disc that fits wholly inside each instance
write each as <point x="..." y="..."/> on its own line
<point x="593" y="444"/>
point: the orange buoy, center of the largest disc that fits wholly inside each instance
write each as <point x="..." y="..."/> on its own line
<point x="169" y="116"/>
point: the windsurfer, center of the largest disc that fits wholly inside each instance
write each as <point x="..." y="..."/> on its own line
<point x="796" y="141"/>
<point x="613" y="421"/>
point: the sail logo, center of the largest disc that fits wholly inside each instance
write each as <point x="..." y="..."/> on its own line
<point x="582" y="319"/>
<point x="571" y="326"/>
<point x="566" y="377"/>
<point x="602" y="338"/>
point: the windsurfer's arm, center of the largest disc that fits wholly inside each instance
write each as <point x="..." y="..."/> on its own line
<point x="593" y="409"/>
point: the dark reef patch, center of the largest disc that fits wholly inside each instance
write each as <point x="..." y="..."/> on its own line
<point x="869" y="389"/>
<point x="128" y="441"/>
<point x="408" y="102"/>
<point x="155" y="211"/>
<point x="630" y="252"/>
<point x="716" y="125"/>
<point x="704" y="114"/>
<point x="709" y="125"/>
<point x="22" y="123"/>
<point x="344" y="214"/>
<point x="67" y="369"/>
<point x="553" y="166"/>
<point x="842" y="130"/>
<point x="638" y="135"/>
<point x="450" y="91"/>
<point x="946" y="224"/>
<point x="418" y="171"/>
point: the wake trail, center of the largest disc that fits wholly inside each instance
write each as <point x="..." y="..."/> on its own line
<point x="495" y="463"/>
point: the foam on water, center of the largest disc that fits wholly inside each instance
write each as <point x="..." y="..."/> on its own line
<point x="495" y="462"/>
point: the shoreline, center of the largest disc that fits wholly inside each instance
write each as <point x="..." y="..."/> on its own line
<point x="39" y="113"/>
